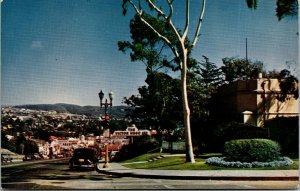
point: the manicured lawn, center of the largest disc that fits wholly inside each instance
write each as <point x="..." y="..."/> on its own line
<point x="178" y="163"/>
<point x="144" y="157"/>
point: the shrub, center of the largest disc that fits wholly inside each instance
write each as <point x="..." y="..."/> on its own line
<point x="285" y="130"/>
<point x="250" y="150"/>
<point x="140" y="145"/>
<point x="234" y="130"/>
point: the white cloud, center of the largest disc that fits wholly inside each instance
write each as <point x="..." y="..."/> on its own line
<point x="36" y="44"/>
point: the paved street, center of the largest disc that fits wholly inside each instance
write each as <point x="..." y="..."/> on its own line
<point x="56" y="175"/>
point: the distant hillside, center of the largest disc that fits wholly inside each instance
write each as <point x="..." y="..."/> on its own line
<point x="92" y="111"/>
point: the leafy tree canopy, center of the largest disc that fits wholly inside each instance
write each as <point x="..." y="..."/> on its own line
<point x="288" y="85"/>
<point x="146" y="46"/>
<point x="157" y="104"/>
<point x="203" y="81"/>
<point x="236" y="69"/>
<point x="284" y="8"/>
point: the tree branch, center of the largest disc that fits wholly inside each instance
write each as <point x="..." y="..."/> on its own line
<point x="171" y="9"/>
<point x="158" y="10"/>
<point x="155" y="31"/>
<point x="139" y="12"/>
<point x="168" y="19"/>
<point x="187" y="19"/>
<point x="161" y="49"/>
<point x="199" y="24"/>
<point x="165" y="39"/>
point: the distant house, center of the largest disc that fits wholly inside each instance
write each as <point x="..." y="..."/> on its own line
<point x="132" y="131"/>
<point x="253" y="101"/>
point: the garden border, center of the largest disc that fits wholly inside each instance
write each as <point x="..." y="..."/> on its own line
<point x="220" y="161"/>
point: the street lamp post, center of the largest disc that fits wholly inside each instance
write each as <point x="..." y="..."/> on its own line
<point x="106" y="104"/>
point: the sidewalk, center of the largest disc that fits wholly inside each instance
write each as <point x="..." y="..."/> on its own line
<point x="119" y="170"/>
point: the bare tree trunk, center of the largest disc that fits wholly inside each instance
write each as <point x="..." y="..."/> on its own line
<point x="183" y="60"/>
<point x="186" y="112"/>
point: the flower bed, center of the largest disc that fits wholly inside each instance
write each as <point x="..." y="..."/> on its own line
<point x="220" y="161"/>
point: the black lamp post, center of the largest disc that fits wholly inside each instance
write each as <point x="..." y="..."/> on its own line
<point x="106" y="104"/>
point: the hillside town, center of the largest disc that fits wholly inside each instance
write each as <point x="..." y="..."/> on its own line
<point x="60" y="138"/>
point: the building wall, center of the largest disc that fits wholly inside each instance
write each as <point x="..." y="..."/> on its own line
<point x="235" y="98"/>
<point x="251" y="102"/>
<point x="268" y="104"/>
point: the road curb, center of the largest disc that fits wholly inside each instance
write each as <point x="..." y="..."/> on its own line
<point x="178" y="177"/>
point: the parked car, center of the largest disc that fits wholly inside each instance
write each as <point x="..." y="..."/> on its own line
<point x="84" y="157"/>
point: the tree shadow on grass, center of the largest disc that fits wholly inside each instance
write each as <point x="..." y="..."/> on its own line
<point x="168" y="165"/>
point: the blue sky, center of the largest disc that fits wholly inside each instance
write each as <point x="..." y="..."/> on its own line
<point x="65" y="51"/>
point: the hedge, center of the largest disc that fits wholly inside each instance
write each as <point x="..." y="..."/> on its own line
<point x="250" y="150"/>
<point x="285" y="131"/>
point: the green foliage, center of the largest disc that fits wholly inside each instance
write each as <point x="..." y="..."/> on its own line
<point x="115" y="111"/>
<point x="4" y="140"/>
<point x="285" y="130"/>
<point x="140" y="145"/>
<point x="203" y="81"/>
<point x="179" y="47"/>
<point x="237" y="69"/>
<point x="250" y="150"/>
<point x="252" y="4"/>
<point x="143" y="157"/>
<point x="42" y="134"/>
<point x="178" y="163"/>
<point x="288" y="85"/>
<point x="234" y="130"/>
<point x="116" y="125"/>
<point x="285" y="8"/>
<point x="30" y="147"/>
<point x="146" y="46"/>
<point x="19" y="144"/>
<point x="210" y="73"/>
<point x="158" y="104"/>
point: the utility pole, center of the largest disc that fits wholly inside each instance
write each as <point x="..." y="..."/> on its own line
<point x="246" y="51"/>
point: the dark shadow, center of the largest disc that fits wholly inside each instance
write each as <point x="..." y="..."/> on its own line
<point x="57" y="164"/>
<point x="174" y="164"/>
<point x="203" y="156"/>
<point x="79" y="169"/>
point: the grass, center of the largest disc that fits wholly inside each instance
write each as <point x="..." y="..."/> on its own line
<point x="143" y="157"/>
<point x="178" y="163"/>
